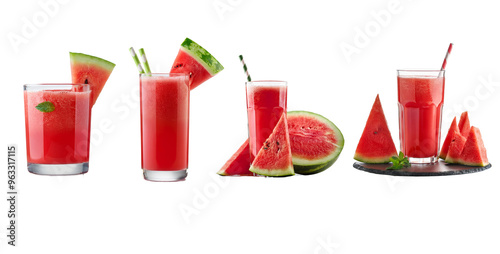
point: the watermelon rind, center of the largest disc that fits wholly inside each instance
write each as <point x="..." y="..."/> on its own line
<point x="91" y="60"/>
<point x="306" y="166"/>
<point x="274" y="173"/>
<point x="202" y="56"/>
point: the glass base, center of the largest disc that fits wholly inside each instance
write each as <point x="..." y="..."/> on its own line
<point x="165" y="176"/>
<point x="428" y="160"/>
<point x="58" y="169"/>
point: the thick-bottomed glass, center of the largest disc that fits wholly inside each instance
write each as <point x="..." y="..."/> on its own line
<point x="420" y="101"/>
<point x="164" y="126"/>
<point x="57" y="128"/>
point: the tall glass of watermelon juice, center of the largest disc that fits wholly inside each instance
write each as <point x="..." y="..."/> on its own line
<point x="57" y="118"/>
<point x="164" y="126"/>
<point x="420" y="101"/>
<point x="266" y="102"/>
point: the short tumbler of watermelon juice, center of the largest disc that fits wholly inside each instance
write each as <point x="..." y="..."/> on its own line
<point x="57" y="128"/>
<point x="164" y="126"/>
<point x="266" y="102"/>
<point x="420" y="101"/>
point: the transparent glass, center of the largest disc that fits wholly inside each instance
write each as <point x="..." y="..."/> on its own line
<point x="266" y="102"/>
<point x="420" y="102"/>
<point x="164" y="126"/>
<point x="57" y="118"/>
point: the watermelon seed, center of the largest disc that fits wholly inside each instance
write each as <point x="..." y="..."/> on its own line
<point x="86" y="81"/>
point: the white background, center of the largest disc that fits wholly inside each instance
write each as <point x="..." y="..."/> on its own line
<point x="342" y="210"/>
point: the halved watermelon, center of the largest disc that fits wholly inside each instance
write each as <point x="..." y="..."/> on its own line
<point x="474" y="152"/>
<point x="464" y="124"/>
<point x="455" y="148"/>
<point x="194" y="60"/>
<point x="275" y="157"/>
<point x="315" y="142"/>
<point x="239" y="163"/>
<point x="376" y="144"/>
<point x="87" y="69"/>
<point x="446" y="144"/>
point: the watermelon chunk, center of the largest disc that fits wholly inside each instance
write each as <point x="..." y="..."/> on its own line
<point x="474" y="152"/>
<point x="376" y="144"/>
<point x="194" y="60"/>
<point x="275" y="157"/>
<point x="87" y="69"/>
<point x="239" y="163"/>
<point x="446" y="144"/>
<point x="455" y="148"/>
<point x="464" y="124"/>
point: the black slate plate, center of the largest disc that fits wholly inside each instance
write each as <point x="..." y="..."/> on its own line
<point x="438" y="169"/>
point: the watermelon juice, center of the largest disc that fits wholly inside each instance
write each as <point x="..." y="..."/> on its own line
<point x="164" y="126"/>
<point x="420" y="101"/>
<point x="266" y="102"/>
<point x="57" y="118"/>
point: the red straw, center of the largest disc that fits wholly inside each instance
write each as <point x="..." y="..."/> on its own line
<point x="446" y="57"/>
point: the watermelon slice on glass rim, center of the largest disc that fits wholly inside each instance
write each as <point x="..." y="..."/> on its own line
<point x="194" y="60"/>
<point x="87" y="69"/>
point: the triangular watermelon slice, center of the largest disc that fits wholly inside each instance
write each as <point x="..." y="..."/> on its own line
<point x="275" y="156"/>
<point x="87" y="69"/>
<point x="474" y="152"/>
<point x="446" y="144"/>
<point x="464" y="124"/>
<point x="239" y="163"/>
<point x="455" y="148"/>
<point x="376" y="144"/>
<point x="194" y="60"/>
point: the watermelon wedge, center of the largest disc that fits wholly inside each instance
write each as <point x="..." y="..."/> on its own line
<point x="239" y="163"/>
<point x="197" y="62"/>
<point x="87" y="69"/>
<point x="455" y="148"/>
<point x="376" y="144"/>
<point x="474" y="152"/>
<point x="275" y="156"/>
<point x="315" y="142"/>
<point x="446" y="144"/>
<point x="464" y="124"/>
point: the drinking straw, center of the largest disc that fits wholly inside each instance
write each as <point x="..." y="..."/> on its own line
<point x="145" y="61"/>
<point x="136" y="60"/>
<point x="245" y="68"/>
<point x="445" y="59"/>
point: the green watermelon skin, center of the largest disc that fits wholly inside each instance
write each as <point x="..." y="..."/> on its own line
<point x="376" y="144"/>
<point x="455" y="148"/>
<point x="474" y="152"/>
<point x="446" y="144"/>
<point x="275" y="156"/>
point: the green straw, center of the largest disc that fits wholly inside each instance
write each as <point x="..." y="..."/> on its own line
<point x="136" y="60"/>
<point x="245" y="69"/>
<point x="145" y="61"/>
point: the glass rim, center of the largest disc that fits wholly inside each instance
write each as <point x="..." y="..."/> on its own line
<point x="55" y="86"/>
<point x="163" y="74"/>
<point x="420" y="70"/>
<point x="264" y="82"/>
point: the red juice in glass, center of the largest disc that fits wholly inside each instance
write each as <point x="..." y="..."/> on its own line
<point x="57" y="118"/>
<point x="420" y="101"/>
<point x="164" y="126"/>
<point x="266" y="102"/>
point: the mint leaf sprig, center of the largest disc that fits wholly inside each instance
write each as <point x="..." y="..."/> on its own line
<point x="399" y="162"/>
<point x="45" y="107"/>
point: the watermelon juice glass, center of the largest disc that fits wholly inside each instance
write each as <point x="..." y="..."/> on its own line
<point x="266" y="102"/>
<point x="164" y="126"/>
<point x="420" y="101"/>
<point x="57" y="118"/>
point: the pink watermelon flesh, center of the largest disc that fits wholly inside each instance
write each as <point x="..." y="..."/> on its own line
<point x="464" y="124"/>
<point x="239" y="163"/>
<point x="474" y="152"/>
<point x="455" y="148"/>
<point x="376" y="144"/>
<point x="275" y="156"/>
<point x="446" y="144"/>
<point x="194" y="60"/>
<point x="95" y="71"/>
